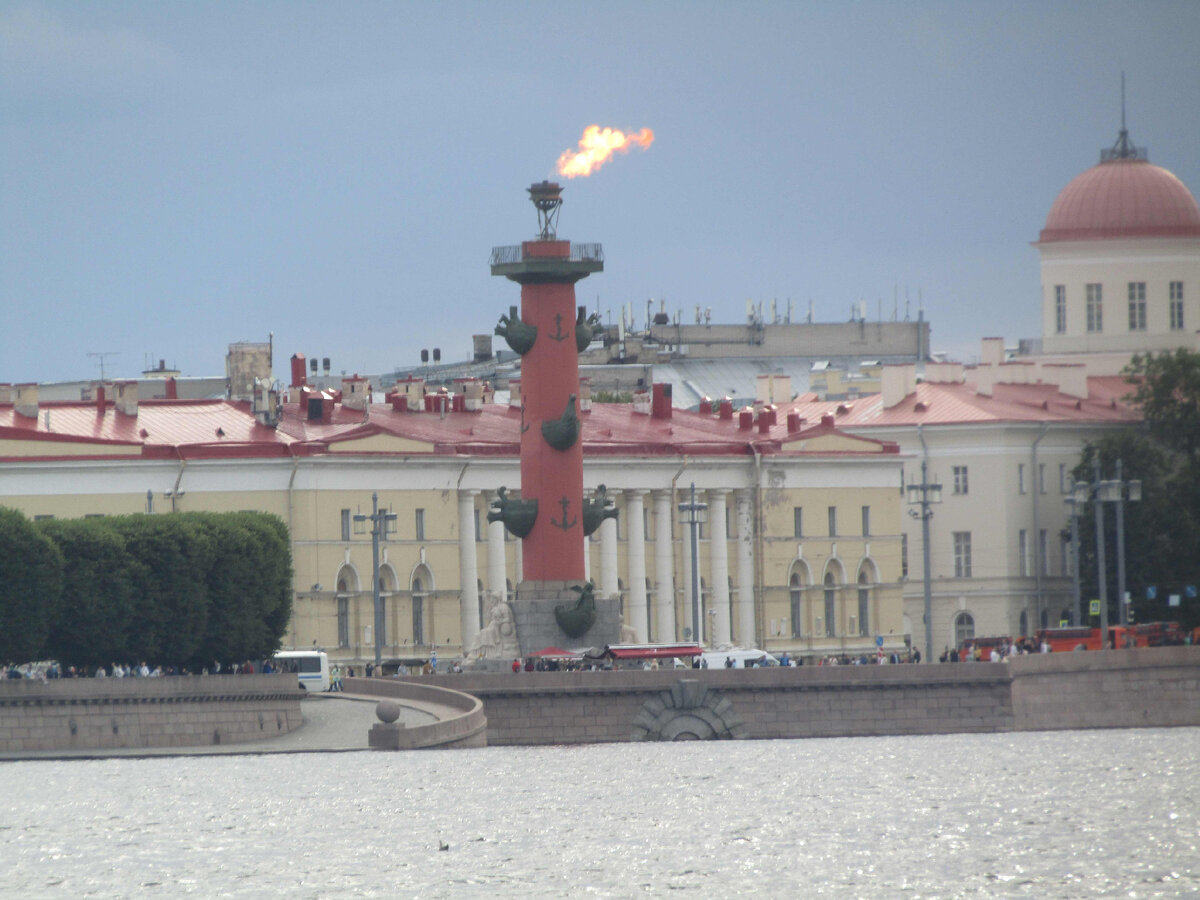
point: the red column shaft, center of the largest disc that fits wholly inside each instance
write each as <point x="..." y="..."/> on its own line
<point x="553" y="551"/>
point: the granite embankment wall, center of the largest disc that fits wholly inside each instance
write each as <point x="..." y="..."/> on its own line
<point x="1158" y="687"/>
<point x="462" y="722"/>
<point x="1127" y="688"/>
<point x="108" y="713"/>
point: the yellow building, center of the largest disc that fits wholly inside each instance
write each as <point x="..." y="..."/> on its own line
<point x="800" y="550"/>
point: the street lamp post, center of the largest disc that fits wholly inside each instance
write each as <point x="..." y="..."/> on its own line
<point x="382" y="523"/>
<point x="923" y="495"/>
<point x="1075" y="506"/>
<point x="1109" y="491"/>
<point x="693" y="514"/>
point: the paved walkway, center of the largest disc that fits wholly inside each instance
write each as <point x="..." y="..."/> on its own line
<point x="332" y="723"/>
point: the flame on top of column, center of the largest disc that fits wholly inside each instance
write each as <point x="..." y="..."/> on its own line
<point x="597" y="146"/>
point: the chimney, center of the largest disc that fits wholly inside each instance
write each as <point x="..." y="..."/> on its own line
<point x="172" y="389"/>
<point x="794" y="422"/>
<point x="992" y="351"/>
<point x="725" y="410"/>
<point x="775" y="388"/>
<point x="26" y="402"/>
<point x="661" y="405"/>
<point x="5" y="392"/>
<point x="896" y="383"/>
<point x="514" y="393"/>
<point x="125" y="398"/>
<point x="356" y="393"/>
<point x="706" y="406"/>
<point x="944" y="372"/>
<point x="985" y="378"/>
<point x="764" y="420"/>
<point x="745" y="418"/>
<point x="1069" y="378"/>
<point x="101" y="399"/>
<point x="642" y="402"/>
<point x="399" y="401"/>
<point x="299" y="379"/>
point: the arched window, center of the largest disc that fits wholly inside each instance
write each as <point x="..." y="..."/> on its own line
<point x="864" y="604"/>
<point x="422" y="584"/>
<point x="797" y="581"/>
<point x="347" y="584"/>
<point x="830" y="605"/>
<point x="964" y="628"/>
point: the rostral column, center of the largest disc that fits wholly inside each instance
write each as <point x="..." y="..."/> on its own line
<point x="551" y="517"/>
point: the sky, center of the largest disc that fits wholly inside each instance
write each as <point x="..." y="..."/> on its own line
<point x="176" y="177"/>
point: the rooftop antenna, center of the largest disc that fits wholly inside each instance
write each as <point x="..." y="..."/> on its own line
<point x="101" y="357"/>
<point x="1123" y="148"/>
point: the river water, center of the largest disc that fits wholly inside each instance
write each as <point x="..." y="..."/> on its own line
<point x="1040" y="815"/>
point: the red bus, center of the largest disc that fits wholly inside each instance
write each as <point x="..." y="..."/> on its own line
<point x="1151" y="634"/>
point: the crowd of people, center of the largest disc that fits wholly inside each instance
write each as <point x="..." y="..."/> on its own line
<point x="1001" y="651"/>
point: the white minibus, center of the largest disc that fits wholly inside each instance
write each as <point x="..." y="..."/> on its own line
<point x="311" y="666"/>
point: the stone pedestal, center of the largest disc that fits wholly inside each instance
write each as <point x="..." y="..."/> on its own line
<point x="533" y="610"/>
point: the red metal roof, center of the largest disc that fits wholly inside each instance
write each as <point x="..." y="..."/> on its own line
<point x="960" y="404"/>
<point x="1122" y="198"/>
<point x="227" y="429"/>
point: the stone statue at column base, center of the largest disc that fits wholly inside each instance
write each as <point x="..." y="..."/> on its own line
<point x="497" y="639"/>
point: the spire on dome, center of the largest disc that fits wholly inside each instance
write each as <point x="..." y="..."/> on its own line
<point x="1123" y="148"/>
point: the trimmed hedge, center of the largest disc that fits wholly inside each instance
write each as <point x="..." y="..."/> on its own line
<point x="182" y="589"/>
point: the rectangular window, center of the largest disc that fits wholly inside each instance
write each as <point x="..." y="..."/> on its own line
<point x="1043" y="552"/>
<point x="1041" y="478"/>
<point x="1021" y="477"/>
<point x="419" y="523"/>
<point x="904" y="556"/>
<point x="798" y="522"/>
<point x="345" y="524"/>
<point x="1064" y="548"/>
<point x="1176" y="299"/>
<point x="866" y="521"/>
<point x="864" y="612"/>
<point x="1137" y="306"/>
<point x="1062" y="478"/>
<point x="1023" y="551"/>
<point x="1060" y="309"/>
<point x="833" y="521"/>
<point x="830" y="612"/>
<point x="1095" y="308"/>
<point x="962" y="554"/>
<point x="647" y="530"/>
<point x="960" y="479"/>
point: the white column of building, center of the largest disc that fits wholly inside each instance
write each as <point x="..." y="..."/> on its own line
<point x="609" y="584"/>
<point x="587" y="558"/>
<point x="718" y="556"/>
<point x="745" y="569"/>
<point x="664" y="568"/>
<point x="468" y="568"/>
<point x="685" y="547"/>
<point x="495" y="557"/>
<point x="635" y="552"/>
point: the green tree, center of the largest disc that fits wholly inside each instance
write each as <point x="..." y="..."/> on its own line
<point x="169" y="561"/>
<point x="97" y="597"/>
<point x="1167" y="389"/>
<point x="31" y="571"/>
<point x="248" y="585"/>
